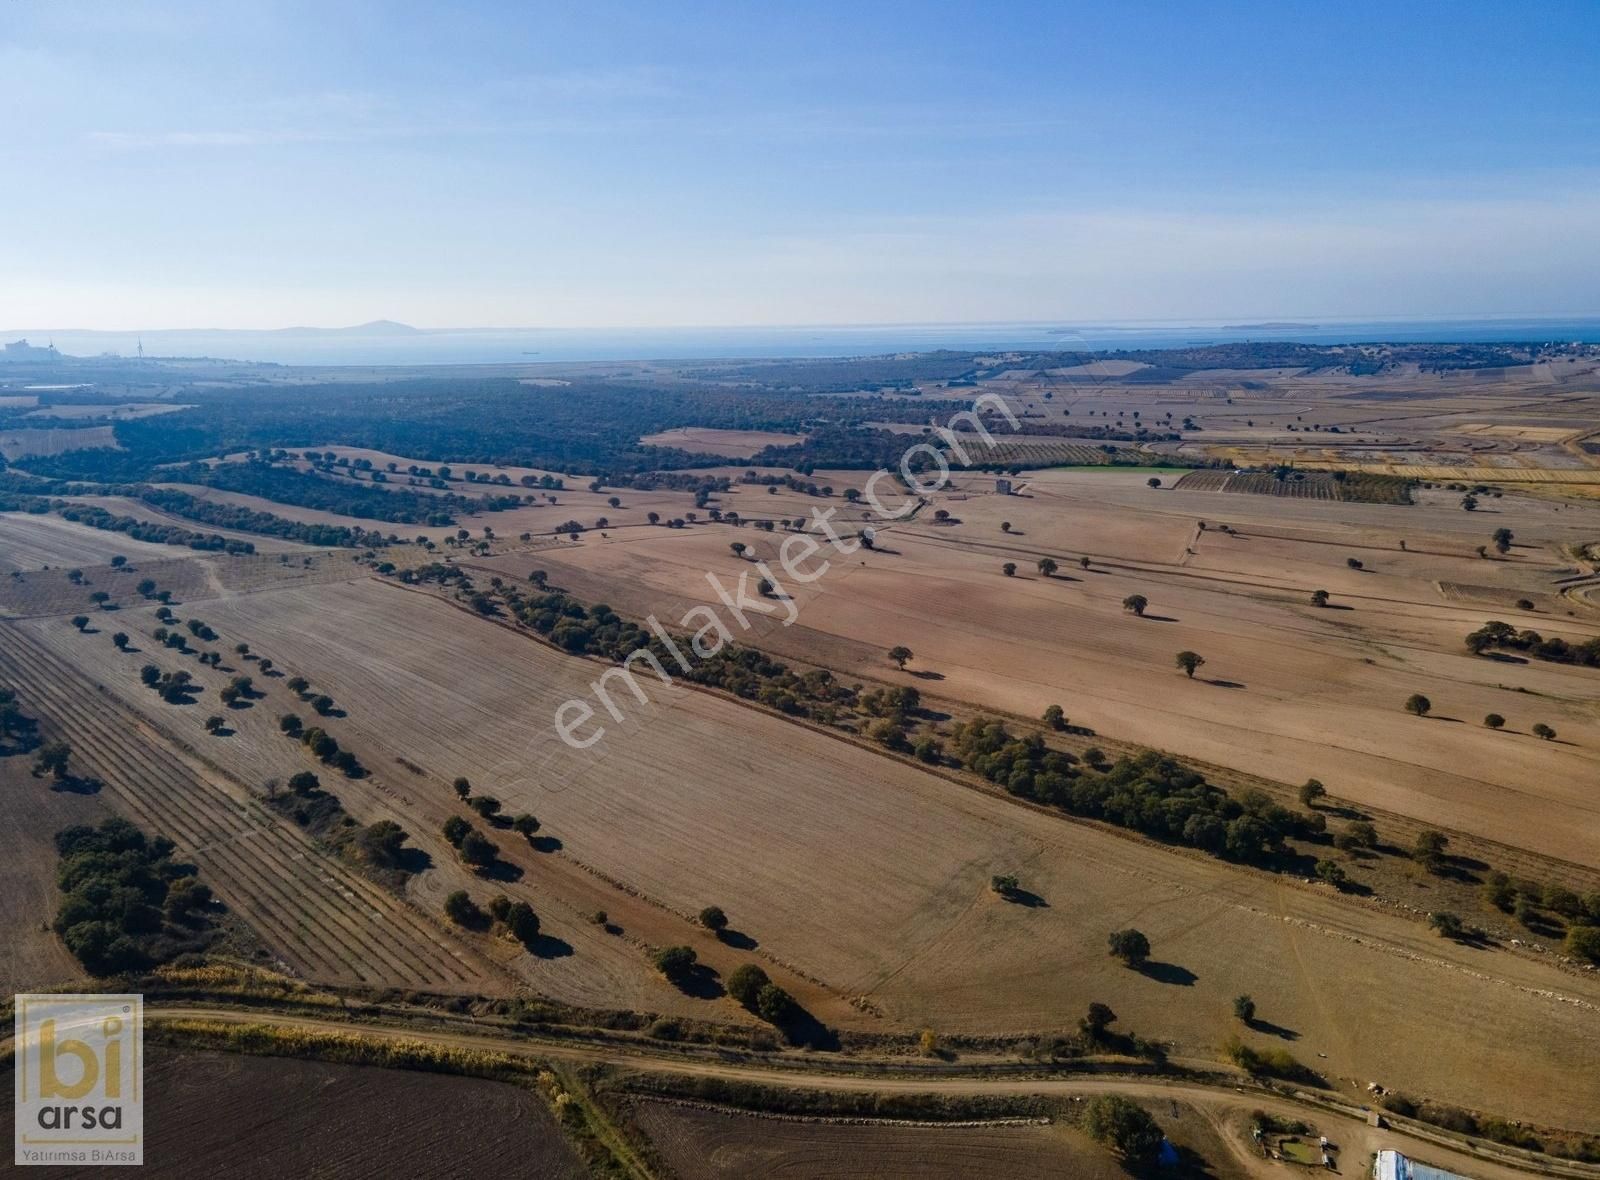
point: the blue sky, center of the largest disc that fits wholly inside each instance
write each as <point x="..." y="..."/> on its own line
<point x="261" y="164"/>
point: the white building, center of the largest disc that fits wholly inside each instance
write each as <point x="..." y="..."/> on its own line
<point x="1391" y="1165"/>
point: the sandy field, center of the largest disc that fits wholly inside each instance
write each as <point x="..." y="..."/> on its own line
<point x="871" y="876"/>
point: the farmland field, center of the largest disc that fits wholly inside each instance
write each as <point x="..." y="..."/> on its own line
<point x="878" y="896"/>
<point x="25" y="444"/>
<point x="703" y="1144"/>
<point x="863" y="881"/>
<point x="735" y="444"/>
<point x="212" y="1114"/>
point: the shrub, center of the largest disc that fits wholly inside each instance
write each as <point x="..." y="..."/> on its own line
<point x="1122" y="1125"/>
<point x="1583" y="942"/>
<point x="675" y="962"/>
<point x="1244" y="1008"/>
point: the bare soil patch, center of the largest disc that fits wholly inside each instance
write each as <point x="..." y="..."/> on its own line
<point x="215" y="1114"/>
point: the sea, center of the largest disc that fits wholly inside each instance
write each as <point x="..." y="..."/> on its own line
<point x="391" y="344"/>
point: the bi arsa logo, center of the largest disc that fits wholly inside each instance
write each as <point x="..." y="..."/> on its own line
<point x="79" y="1079"/>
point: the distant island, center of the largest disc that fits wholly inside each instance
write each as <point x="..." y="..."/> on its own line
<point x="1270" y="326"/>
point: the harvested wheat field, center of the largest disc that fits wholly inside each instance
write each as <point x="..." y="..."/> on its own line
<point x="871" y="875"/>
<point x="32" y="542"/>
<point x="700" y="1143"/>
<point x="319" y="919"/>
<point x="1289" y="691"/>
<point x="733" y="444"/>
<point x="46" y="441"/>
<point x="212" y="1114"/>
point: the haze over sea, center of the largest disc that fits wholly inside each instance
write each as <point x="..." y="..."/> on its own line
<point x="386" y="343"/>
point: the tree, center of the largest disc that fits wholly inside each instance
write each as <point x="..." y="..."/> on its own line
<point x="214" y="723"/>
<point x="478" y="850"/>
<point x="1153" y="482"/>
<point x="1136" y="604"/>
<point x="713" y="919"/>
<point x="1583" y="942"/>
<point x="1124" y="1126"/>
<point x="900" y="655"/>
<point x="1189" y="661"/>
<point x="383" y="842"/>
<point x="773" y="1004"/>
<point x="1469" y="502"/>
<point x="1244" y="1008"/>
<point x="462" y="910"/>
<point x="1418" y="705"/>
<point x="1083" y="563"/>
<point x="462" y="787"/>
<point x="298" y="684"/>
<point x="525" y="825"/>
<point x="1361" y="834"/>
<point x="1047" y="566"/>
<point x="1055" y="718"/>
<point x="1310" y="791"/>
<point x="80" y="621"/>
<point x="1009" y="569"/>
<point x="1333" y="873"/>
<point x="1494" y="720"/>
<point x="1130" y="946"/>
<point x="304" y="782"/>
<point x="53" y="759"/>
<point x="1005" y="526"/>
<point x="485" y="805"/>
<point x="1355" y="563"/>
<point x="1096" y="1020"/>
<point x="522" y="922"/>
<point x="675" y="962"/>
<point x="1319" y="598"/>
<point x="1429" y="849"/>
<point x="120" y="641"/>
<point x="1447" y="924"/>
<point x="455" y="829"/>
<point x="738" y="548"/>
<point x="746" y="982"/>
<point x="1005" y="884"/>
<point x="1502" y="540"/>
<point x="1541" y="730"/>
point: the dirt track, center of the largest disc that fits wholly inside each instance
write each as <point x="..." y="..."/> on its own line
<point x="1345" y="1125"/>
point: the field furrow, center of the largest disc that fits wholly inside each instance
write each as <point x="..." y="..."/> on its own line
<point x="324" y="919"/>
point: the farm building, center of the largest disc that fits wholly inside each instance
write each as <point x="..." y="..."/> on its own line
<point x="1391" y="1165"/>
